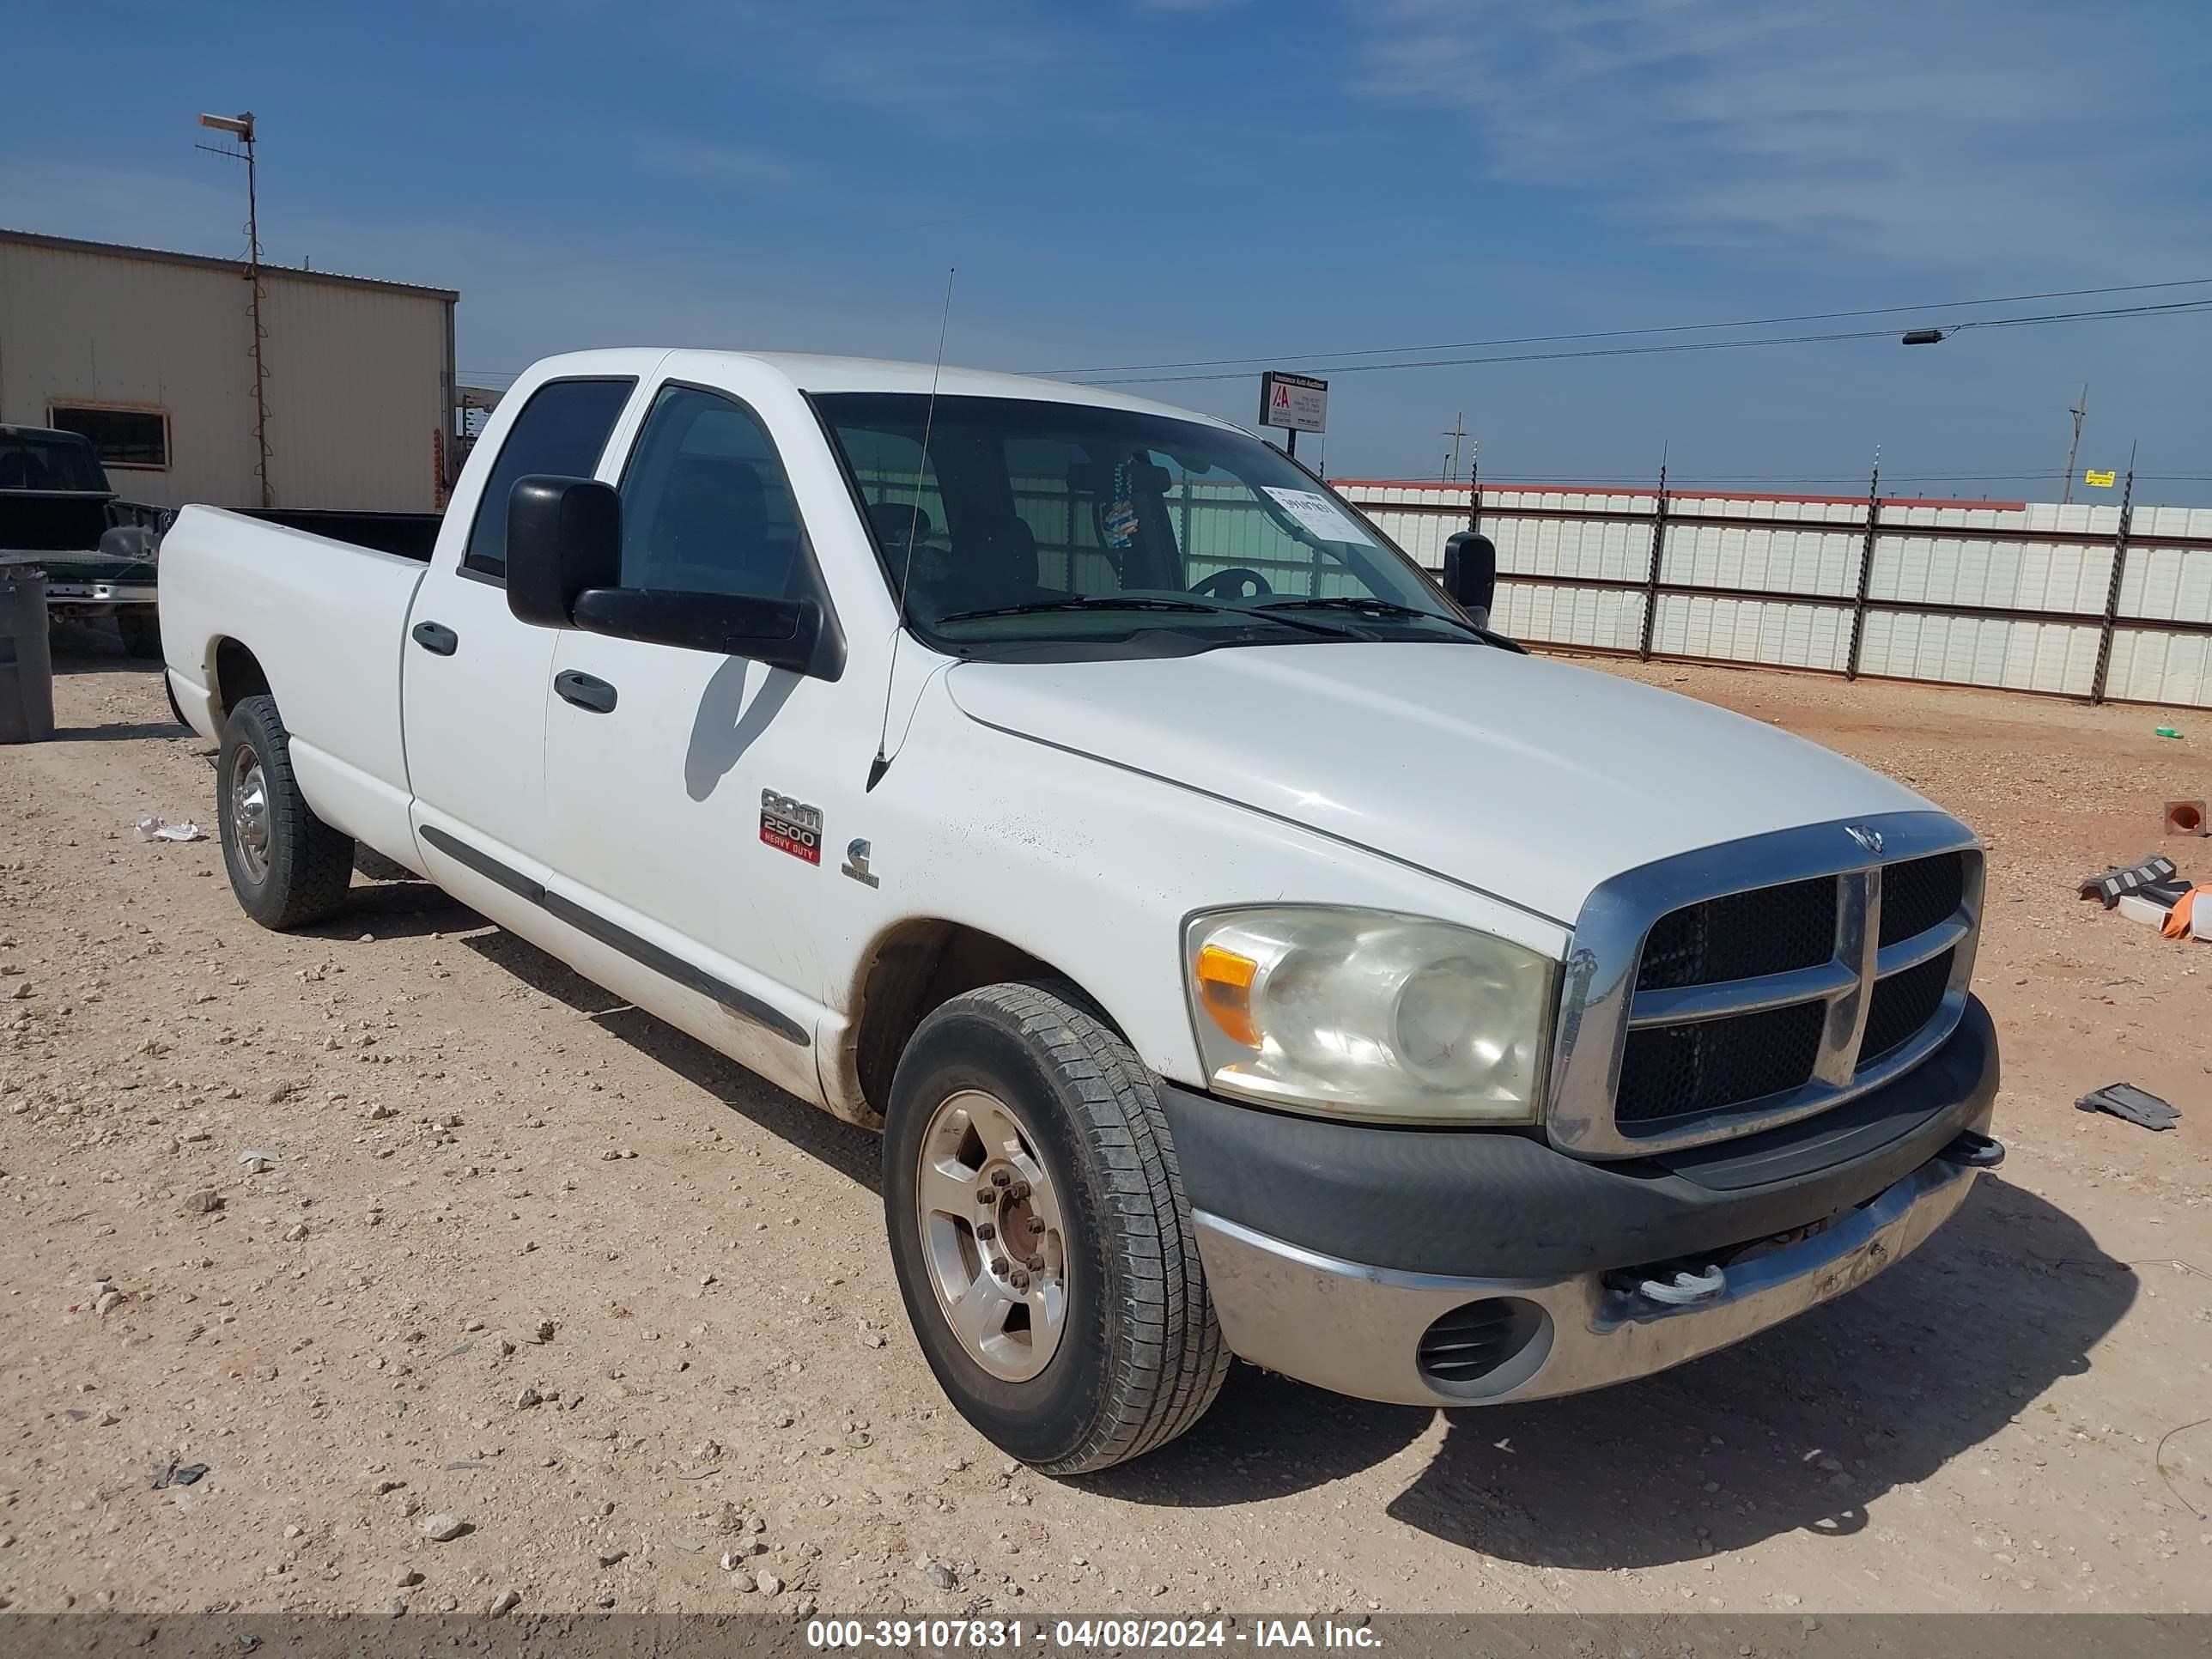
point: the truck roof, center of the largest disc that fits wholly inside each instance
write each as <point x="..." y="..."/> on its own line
<point x="45" y="434"/>
<point x="810" y="373"/>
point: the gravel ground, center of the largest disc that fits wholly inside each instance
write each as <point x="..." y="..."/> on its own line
<point x="529" y="1301"/>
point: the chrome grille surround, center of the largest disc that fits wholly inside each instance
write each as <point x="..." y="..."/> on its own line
<point x="1599" y="1002"/>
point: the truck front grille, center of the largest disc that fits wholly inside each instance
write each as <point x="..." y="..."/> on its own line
<point x="1668" y="1070"/>
<point x="1741" y="936"/>
<point x="1902" y="1003"/>
<point x="1703" y="1015"/>
<point x="1921" y="895"/>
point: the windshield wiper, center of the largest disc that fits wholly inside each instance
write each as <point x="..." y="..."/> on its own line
<point x="1138" y="602"/>
<point x="1374" y="607"/>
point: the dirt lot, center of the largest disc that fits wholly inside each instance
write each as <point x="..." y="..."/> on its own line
<point x="471" y="1148"/>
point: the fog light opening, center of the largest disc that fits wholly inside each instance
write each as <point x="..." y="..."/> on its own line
<point x="1481" y="1348"/>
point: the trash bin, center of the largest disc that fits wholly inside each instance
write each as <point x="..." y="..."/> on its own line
<point x="27" y="665"/>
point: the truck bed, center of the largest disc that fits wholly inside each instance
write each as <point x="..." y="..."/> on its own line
<point x="326" y="622"/>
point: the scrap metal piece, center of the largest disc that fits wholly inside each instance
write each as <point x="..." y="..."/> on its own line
<point x="2125" y="1100"/>
<point x="2151" y="873"/>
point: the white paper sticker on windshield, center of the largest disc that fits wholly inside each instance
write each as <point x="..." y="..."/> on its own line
<point x="1321" y="515"/>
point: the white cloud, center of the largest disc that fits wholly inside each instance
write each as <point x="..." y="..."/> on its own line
<point x="703" y="162"/>
<point x="1799" y="131"/>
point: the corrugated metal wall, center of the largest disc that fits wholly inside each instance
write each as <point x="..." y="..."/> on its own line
<point x="357" y="373"/>
<point x="2016" y="595"/>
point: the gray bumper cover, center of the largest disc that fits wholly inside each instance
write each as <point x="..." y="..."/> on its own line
<point x="1357" y="1329"/>
<point x="1434" y="1221"/>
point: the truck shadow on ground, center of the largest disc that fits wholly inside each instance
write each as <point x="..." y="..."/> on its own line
<point x="1795" y="1431"/>
<point x="853" y="1153"/>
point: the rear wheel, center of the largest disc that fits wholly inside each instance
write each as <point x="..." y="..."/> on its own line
<point x="288" y="867"/>
<point x="1043" y="1245"/>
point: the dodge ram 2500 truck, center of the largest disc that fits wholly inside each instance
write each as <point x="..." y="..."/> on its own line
<point x="1241" y="948"/>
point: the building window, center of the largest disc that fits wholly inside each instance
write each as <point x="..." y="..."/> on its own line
<point x="123" y="437"/>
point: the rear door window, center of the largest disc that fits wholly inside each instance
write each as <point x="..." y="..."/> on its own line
<point x="561" y="430"/>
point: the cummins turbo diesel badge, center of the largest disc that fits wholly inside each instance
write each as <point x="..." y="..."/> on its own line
<point x="791" y="826"/>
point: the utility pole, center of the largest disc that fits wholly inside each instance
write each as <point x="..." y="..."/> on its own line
<point x="2080" y="409"/>
<point x="1458" y="431"/>
<point x="241" y="127"/>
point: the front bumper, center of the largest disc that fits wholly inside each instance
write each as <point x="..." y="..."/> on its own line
<point x="1552" y="1259"/>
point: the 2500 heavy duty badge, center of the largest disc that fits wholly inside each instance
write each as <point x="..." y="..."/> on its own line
<point x="791" y="826"/>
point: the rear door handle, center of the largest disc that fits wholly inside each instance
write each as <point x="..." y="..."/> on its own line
<point x="436" y="638"/>
<point x="584" y="692"/>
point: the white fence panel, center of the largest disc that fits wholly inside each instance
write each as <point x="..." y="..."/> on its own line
<point x="1604" y="619"/>
<point x="2017" y="656"/>
<point x="1757" y="556"/>
<point x="2005" y="576"/>
<point x="2153" y="667"/>
<point x="1570" y="579"/>
<point x="2168" y="584"/>
<point x="1777" y="633"/>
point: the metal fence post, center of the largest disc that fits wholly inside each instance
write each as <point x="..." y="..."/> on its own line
<point x="1652" y="578"/>
<point x="2112" y="590"/>
<point x="1866" y="571"/>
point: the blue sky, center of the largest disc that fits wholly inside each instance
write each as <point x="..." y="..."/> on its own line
<point x="1138" y="181"/>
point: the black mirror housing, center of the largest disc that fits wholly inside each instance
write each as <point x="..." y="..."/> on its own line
<point x="563" y="536"/>
<point x="800" y="635"/>
<point x="1470" y="573"/>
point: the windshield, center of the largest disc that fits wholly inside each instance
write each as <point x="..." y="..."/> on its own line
<point x="1034" y="521"/>
<point x="48" y="460"/>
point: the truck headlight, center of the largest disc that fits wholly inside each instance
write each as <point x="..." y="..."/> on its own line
<point x="1368" y="1014"/>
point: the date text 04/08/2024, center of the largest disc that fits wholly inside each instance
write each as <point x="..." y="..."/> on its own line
<point x="951" y="1634"/>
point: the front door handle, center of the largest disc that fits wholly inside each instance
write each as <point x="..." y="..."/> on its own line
<point x="436" y="638"/>
<point x="584" y="692"/>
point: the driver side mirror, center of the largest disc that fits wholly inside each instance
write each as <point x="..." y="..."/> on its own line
<point x="1470" y="573"/>
<point x="564" y="541"/>
<point x="563" y="535"/>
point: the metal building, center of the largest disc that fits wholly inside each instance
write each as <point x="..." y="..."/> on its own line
<point x="149" y="353"/>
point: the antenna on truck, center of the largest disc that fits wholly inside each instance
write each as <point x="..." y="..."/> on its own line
<point x="882" y="763"/>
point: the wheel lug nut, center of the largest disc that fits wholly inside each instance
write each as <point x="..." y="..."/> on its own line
<point x="1001" y="1177"/>
<point x="1036" y="1225"/>
<point x="986" y="1231"/>
<point x="986" y="1194"/>
<point x="1036" y="1264"/>
<point x="1020" y="1279"/>
<point x="1018" y="1191"/>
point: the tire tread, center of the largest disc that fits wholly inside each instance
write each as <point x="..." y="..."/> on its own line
<point x="1171" y="1360"/>
<point x="311" y="882"/>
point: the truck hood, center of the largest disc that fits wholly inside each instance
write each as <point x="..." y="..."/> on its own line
<point x="1530" y="780"/>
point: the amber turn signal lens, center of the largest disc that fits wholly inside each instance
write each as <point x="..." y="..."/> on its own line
<point x="1225" y="991"/>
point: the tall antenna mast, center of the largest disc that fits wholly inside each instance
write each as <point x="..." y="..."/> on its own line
<point x="882" y="762"/>
<point x="240" y="126"/>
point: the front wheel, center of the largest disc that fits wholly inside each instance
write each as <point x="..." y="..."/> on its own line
<point x="1043" y="1245"/>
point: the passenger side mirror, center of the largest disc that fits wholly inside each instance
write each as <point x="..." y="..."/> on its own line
<point x="1470" y="573"/>
<point x="563" y="536"/>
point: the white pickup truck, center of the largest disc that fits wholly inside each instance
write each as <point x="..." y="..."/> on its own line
<point x="1242" y="949"/>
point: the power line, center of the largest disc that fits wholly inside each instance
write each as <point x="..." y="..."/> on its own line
<point x="1629" y="333"/>
<point x="2169" y="308"/>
